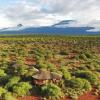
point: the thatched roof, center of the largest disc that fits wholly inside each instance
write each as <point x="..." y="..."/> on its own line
<point x="46" y="75"/>
<point x="42" y="75"/>
<point x="55" y="75"/>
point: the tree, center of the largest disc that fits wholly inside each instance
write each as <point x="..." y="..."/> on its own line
<point x="22" y="88"/>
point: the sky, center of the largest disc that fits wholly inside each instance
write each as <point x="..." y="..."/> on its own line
<point x="48" y="12"/>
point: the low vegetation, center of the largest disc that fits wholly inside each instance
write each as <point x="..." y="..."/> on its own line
<point x="76" y="60"/>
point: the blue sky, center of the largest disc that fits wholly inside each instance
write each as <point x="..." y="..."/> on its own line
<point x="48" y="12"/>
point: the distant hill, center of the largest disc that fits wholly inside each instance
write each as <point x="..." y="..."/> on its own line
<point x="58" y="28"/>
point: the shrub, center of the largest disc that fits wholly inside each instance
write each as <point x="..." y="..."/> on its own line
<point x="91" y="77"/>
<point x="2" y="91"/>
<point x="98" y="85"/>
<point x="52" y="90"/>
<point x="9" y="96"/>
<point x="65" y="72"/>
<point x="75" y="83"/>
<point x="63" y="53"/>
<point x="2" y="73"/>
<point x="14" y="80"/>
<point x="88" y="55"/>
<point x="79" y="83"/>
<point x="73" y="93"/>
<point x="22" y="88"/>
<point x="51" y="67"/>
<point x="83" y="56"/>
<point x="87" y="86"/>
<point x="22" y="70"/>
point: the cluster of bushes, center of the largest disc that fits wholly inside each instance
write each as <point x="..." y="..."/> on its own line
<point x="91" y="77"/>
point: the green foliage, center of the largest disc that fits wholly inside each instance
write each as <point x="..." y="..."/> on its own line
<point x="98" y="84"/>
<point x="12" y="81"/>
<point x="2" y="73"/>
<point x="65" y="72"/>
<point x="82" y="56"/>
<point x="52" y="90"/>
<point x="91" y="77"/>
<point x="75" y="83"/>
<point x="2" y="91"/>
<point x="88" y="54"/>
<point x="63" y="52"/>
<point x="9" y="96"/>
<point x="73" y="93"/>
<point x="22" y="70"/>
<point x="78" y="83"/>
<point x="87" y="86"/>
<point x="30" y="72"/>
<point x="22" y="88"/>
<point x="51" y="67"/>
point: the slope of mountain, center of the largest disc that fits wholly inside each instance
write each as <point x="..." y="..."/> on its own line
<point x="63" y="24"/>
<point x="59" y="28"/>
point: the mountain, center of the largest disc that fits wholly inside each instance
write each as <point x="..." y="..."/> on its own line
<point x="62" y="28"/>
<point x="63" y="24"/>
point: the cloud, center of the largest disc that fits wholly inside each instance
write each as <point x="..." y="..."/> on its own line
<point x="47" y="12"/>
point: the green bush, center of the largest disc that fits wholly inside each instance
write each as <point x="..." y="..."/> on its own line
<point x="98" y="84"/>
<point x="9" y="96"/>
<point x="91" y="77"/>
<point x="76" y="83"/>
<point x="12" y="81"/>
<point x="51" y="67"/>
<point x="2" y="73"/>
<point x="88" y="55"/>
<point x="2" y="91"/>
<point x="73" y="93"/>
<point x="63" y="52"/>
<point x="82" y="56"/>
<point x="87" y="85"/>
<point x="22" y="70"/>
<point x="52" y="90"/>
<point x="22" y="88"/>
<point x="65" y="72"/>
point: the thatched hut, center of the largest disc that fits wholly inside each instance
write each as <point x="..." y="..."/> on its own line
<point x="43" y="76"/>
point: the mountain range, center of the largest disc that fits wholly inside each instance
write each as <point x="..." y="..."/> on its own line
<point x="61" y="28"/>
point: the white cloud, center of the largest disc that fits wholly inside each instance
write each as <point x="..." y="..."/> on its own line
<point x="4" y="22"/>
<point x="47" y="12"/>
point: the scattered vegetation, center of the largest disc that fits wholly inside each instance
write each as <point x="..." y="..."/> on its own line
<point x="76" y="59"/>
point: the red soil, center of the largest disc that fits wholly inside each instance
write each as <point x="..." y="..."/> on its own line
<point x="86" y="96"/>
<point x="89" y="96"/>
<point x="29" y="98"/>
<point x="30" y="61"/>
